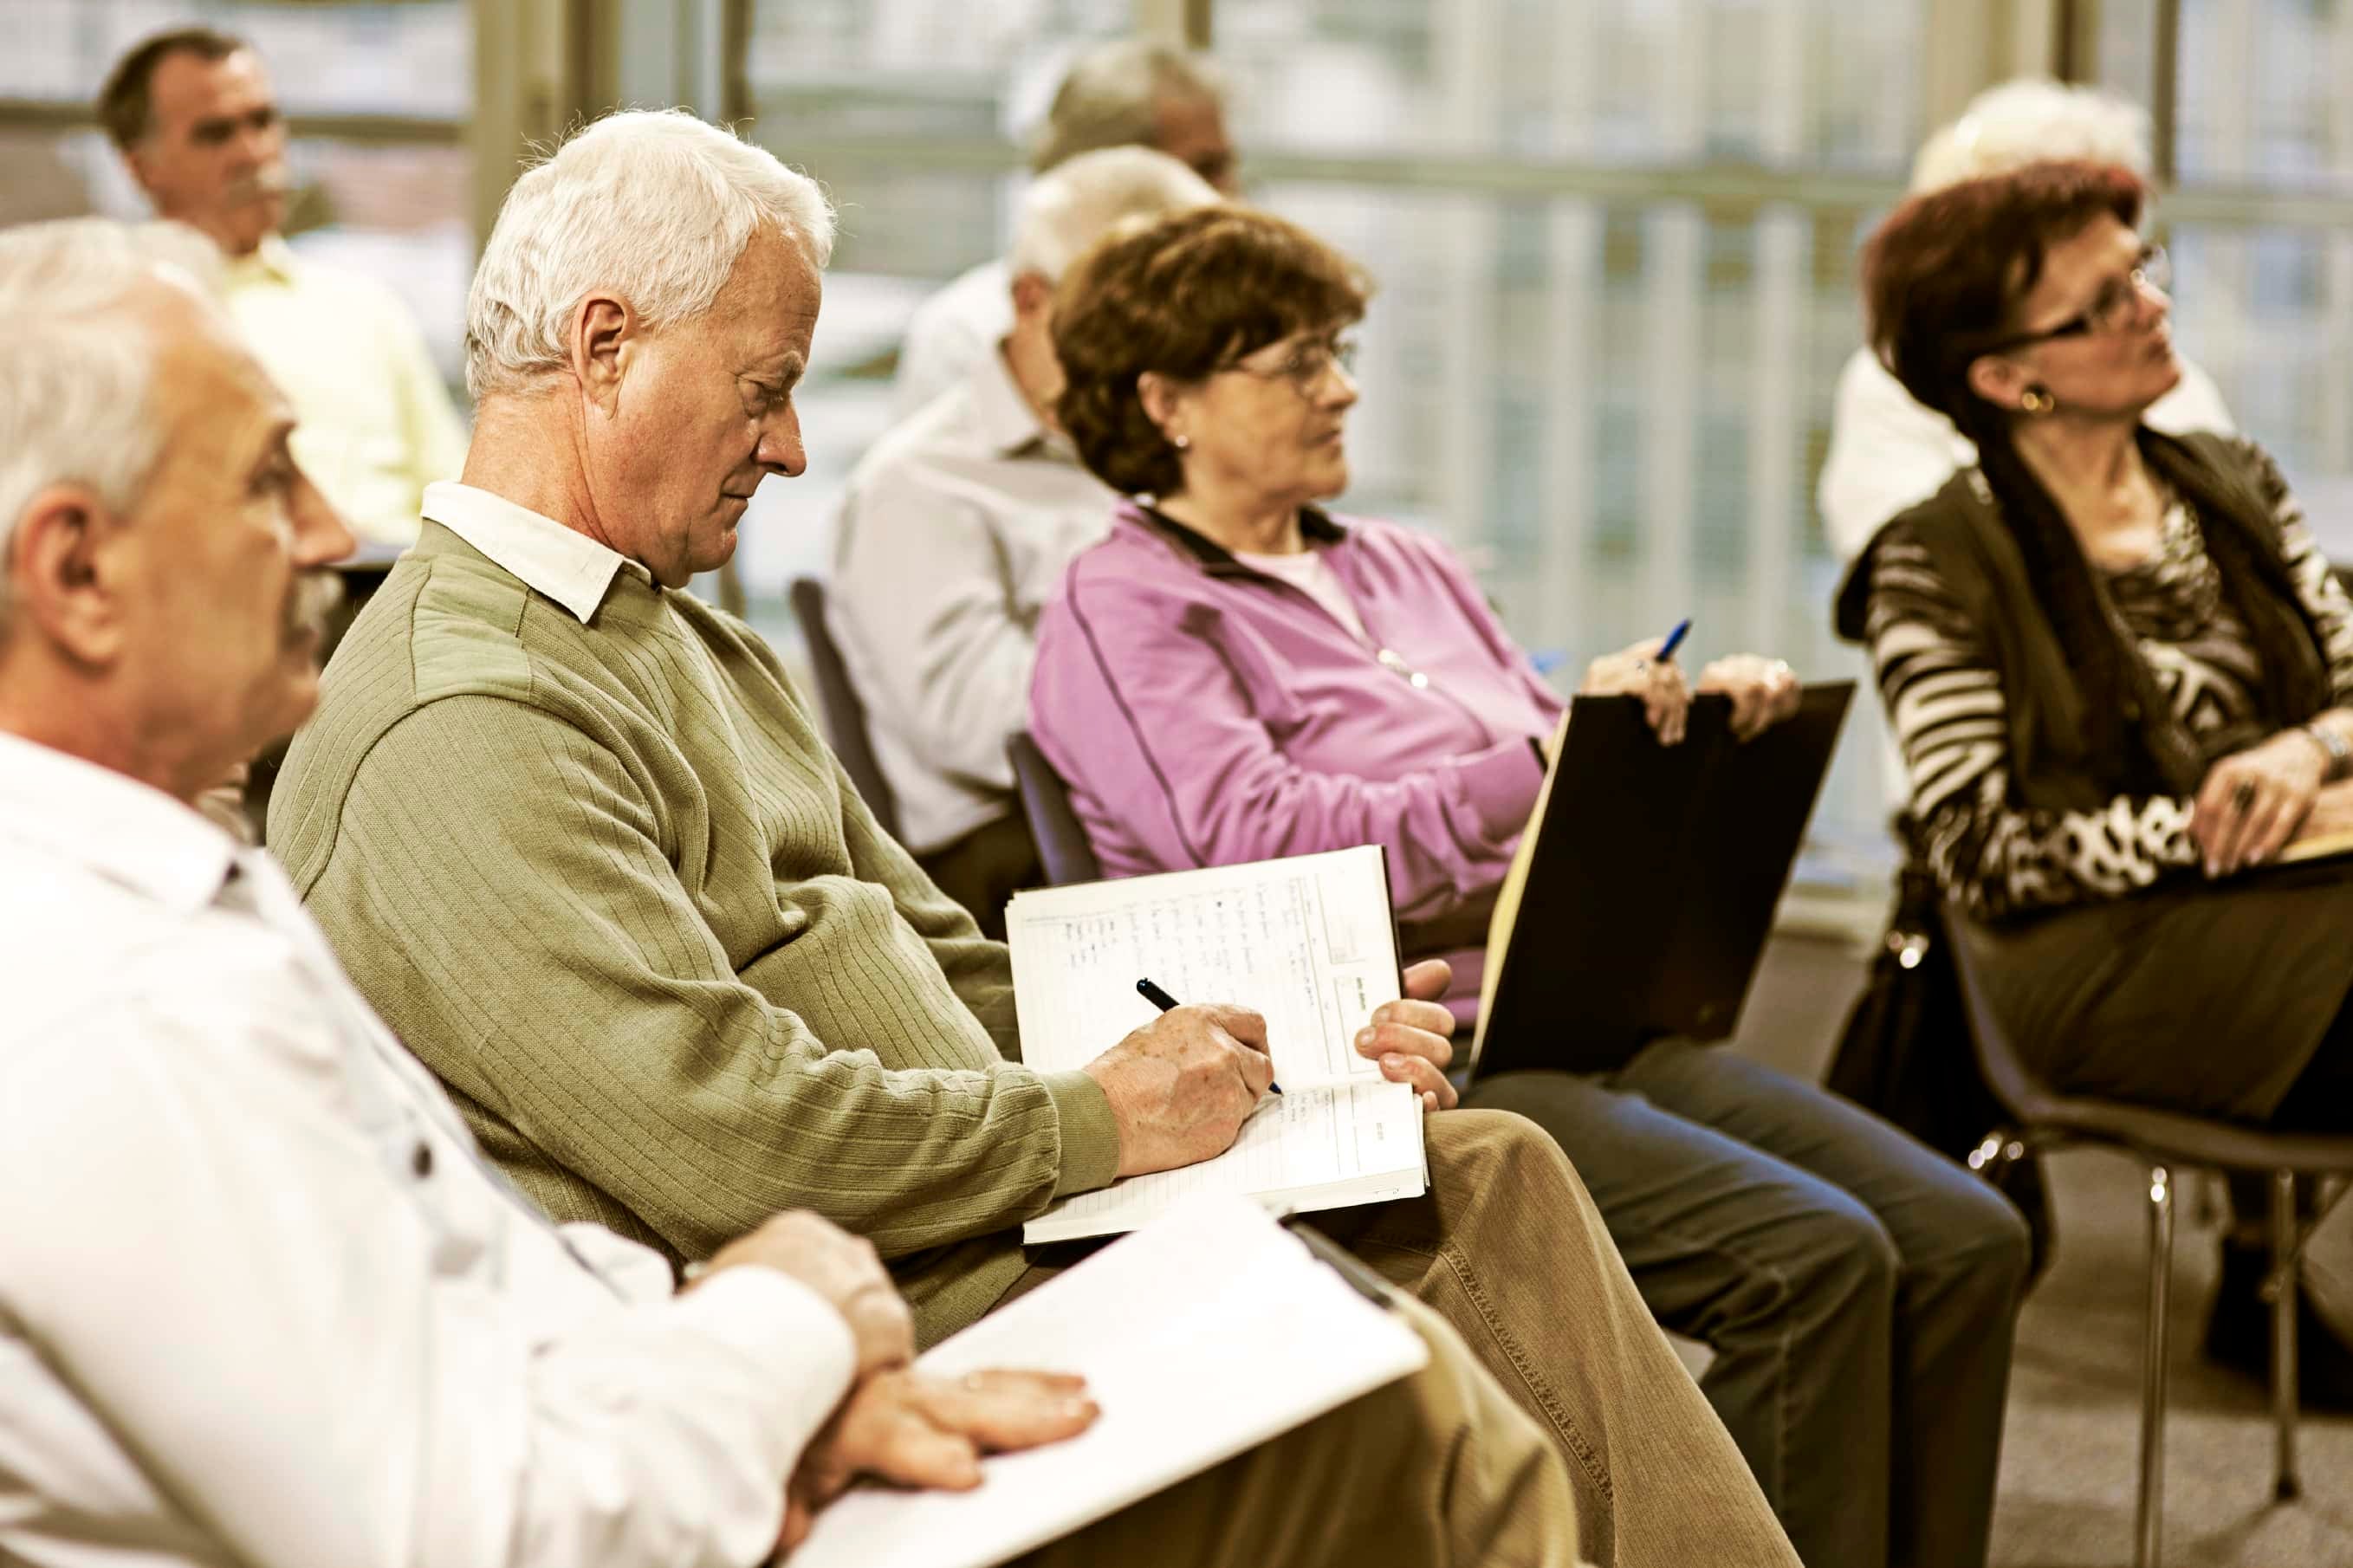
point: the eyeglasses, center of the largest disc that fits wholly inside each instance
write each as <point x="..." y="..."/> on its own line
<point x="2114" y="308"/>
<point x="1305" y="362"/>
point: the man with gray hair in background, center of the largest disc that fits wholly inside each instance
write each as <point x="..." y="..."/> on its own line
<point x="1125" y="94"/>
<point x="955" y="528"/>
<point x="261" y="1302"/>
<point x="576" y="836"/>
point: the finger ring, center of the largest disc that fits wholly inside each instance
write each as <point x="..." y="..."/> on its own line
<point x="2243" y="796"/>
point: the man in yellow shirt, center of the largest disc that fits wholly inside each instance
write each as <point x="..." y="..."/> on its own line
<point x="192" y="114"/>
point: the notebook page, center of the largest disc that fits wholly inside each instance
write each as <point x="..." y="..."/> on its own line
<point x="1305" y="1149"/>
<point x="1307" y="941"/>
<point x="1201" y="1336"/>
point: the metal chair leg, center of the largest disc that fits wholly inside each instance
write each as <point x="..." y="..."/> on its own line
<point x="2148" y="1522"/>
<point x="2286" y="1484"/>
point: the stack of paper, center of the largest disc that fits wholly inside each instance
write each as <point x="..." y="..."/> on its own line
<point x="1205" y="1333"/>
<point x="1309" y="943"/>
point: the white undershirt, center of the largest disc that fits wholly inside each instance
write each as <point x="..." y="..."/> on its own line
<point x="1312" y="576"/>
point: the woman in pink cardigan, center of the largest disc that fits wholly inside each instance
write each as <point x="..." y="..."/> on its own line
<point x="1236" y="675"/>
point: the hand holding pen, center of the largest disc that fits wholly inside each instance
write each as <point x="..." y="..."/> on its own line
<point x="1647" y="670"/>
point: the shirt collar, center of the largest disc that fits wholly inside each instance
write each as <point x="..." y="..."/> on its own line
<point x="111" y="825"/>
<point x="1315" y="526"/>
<point x="273" y="258"/>
<point x="1001" y="413"/>
<point x="563" y="563"/>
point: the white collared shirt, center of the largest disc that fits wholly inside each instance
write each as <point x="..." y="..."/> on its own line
<point x="562" y="563"/>
<point x="949" y="333"/>
<point x="954" y="529"/>
<point x="373" y="423"/>
<point x="261" y="1302"/>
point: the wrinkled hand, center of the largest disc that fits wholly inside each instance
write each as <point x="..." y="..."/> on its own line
<point x="1764" y="691"/>
<point x="920" y="1431"/>
<point x="1409" y="1037"/>
<point x="1181" y="1087"/>
<point x="1638" y="671"/>
<point x="840" y="1267"/>
<point x="2252" y="802"/>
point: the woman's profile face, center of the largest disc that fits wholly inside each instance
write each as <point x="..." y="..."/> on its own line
<point x="1275" y="421"/>
<point x="2106" y="328"/>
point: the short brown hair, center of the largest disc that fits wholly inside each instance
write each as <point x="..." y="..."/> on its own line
<point x="1944" y="276"/>
<point x="1185" y="298"/>
<point x="126" y="102"/>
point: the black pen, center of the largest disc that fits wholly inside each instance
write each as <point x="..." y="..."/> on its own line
<point x="1162" y="1000"/>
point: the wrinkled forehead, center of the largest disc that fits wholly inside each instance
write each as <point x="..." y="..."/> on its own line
<point x="209" y="386"/>
<point x="2078" y="266"/>
<point x="768" y="308"/>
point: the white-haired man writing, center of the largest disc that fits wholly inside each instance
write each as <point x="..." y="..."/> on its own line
<point x="1128" y="93"/>
<point x="577" y="839"/>
<point x="1888" y="453"/>
<point x="261" y="1302"/>
<point x="955" y="530"/>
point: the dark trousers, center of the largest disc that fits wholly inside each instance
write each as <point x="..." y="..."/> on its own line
<point x="1859" y="1290"/>
<point x="986" y="867"/>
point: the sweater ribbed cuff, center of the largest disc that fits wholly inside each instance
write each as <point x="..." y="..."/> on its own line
<point x="1090" y="1135"/>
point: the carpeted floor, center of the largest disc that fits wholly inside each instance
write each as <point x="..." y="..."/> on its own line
<point x="2070" y="1450"/>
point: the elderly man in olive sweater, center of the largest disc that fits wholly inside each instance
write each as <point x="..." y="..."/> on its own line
<point x="576" y="836"/>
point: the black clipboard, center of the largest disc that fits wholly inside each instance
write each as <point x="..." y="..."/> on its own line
<point x="1650" y="885"/>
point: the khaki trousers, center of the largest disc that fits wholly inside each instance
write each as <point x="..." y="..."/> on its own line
<point x="1438" y="1469"/>
<point x="1508" y="1248"/>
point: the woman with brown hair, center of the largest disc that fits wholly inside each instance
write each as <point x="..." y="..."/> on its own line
<point x="1237" y="674"/>
<point x="2121" y="674"/>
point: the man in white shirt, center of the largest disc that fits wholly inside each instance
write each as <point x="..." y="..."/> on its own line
<point x="261" y="1301"/>
<point x="1887" y="453"/>
<point x="1124" y="94"/>
<point x="955" y="528"/>
<point x="192" y="114"/>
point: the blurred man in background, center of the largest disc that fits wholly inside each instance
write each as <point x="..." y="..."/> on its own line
<point x="1127" y="94"/>
<point x="957" y="526"/>
<point x="192" y="112"/>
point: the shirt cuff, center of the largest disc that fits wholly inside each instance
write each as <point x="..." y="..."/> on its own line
<point x="1500" y="784"/>
<point x="802" y="1349"/>
<point x="1089" y="1134"/>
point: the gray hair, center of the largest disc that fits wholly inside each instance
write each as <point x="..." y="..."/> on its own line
<point x="77" y="384"/>
<point x="1112" y="97"/>
<point x="1066" y="210"/>
<point x="2027" y="120"/>
<point x="654" y="204"/>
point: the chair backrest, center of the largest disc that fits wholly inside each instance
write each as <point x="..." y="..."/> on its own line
<point x="1996" y="1057"/>
<point x="845" y="714"/>
<point x="1062" y="846"/>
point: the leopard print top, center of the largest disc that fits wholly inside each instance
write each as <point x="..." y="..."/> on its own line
<point x="1944" y="700"/>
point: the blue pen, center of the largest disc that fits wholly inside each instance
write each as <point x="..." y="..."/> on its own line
<point x="1162" y="1000"/>
<point x="1674" y="640"/>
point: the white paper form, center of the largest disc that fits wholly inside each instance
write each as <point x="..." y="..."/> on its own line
<point x="1308" y="942"/>
<point x="1199" y="1337"/>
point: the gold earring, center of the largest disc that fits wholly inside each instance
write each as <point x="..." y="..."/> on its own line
<point x="2037" y="402"/>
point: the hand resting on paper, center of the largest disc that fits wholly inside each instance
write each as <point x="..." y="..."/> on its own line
<point x="2250" y="803"/>
<point x="843" y="1269"/>
<point x="1181" y="1087"/>
<point x="2331" y="814"/>
<point x="1408" y="1038"/>
<point x="912" y="1430"/>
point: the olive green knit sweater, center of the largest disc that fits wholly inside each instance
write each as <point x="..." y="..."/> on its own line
<point x="608" y="882"/>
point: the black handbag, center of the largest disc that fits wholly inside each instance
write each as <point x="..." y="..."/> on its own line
<point x="1907" y="1057"/>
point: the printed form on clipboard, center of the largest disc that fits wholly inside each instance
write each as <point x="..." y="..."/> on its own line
<point x="1308" y="941"/>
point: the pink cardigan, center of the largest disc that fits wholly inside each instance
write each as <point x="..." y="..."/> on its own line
<point x="1206" y="713"/>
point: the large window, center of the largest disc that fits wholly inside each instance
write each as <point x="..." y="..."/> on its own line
<point x="1614" y="240"/>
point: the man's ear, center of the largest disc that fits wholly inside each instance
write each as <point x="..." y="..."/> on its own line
<point x="61" y="574"/>
<point x="1999" y="380"/>
<point x="604" y="339"/>
<point x="1033" y="294"/>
